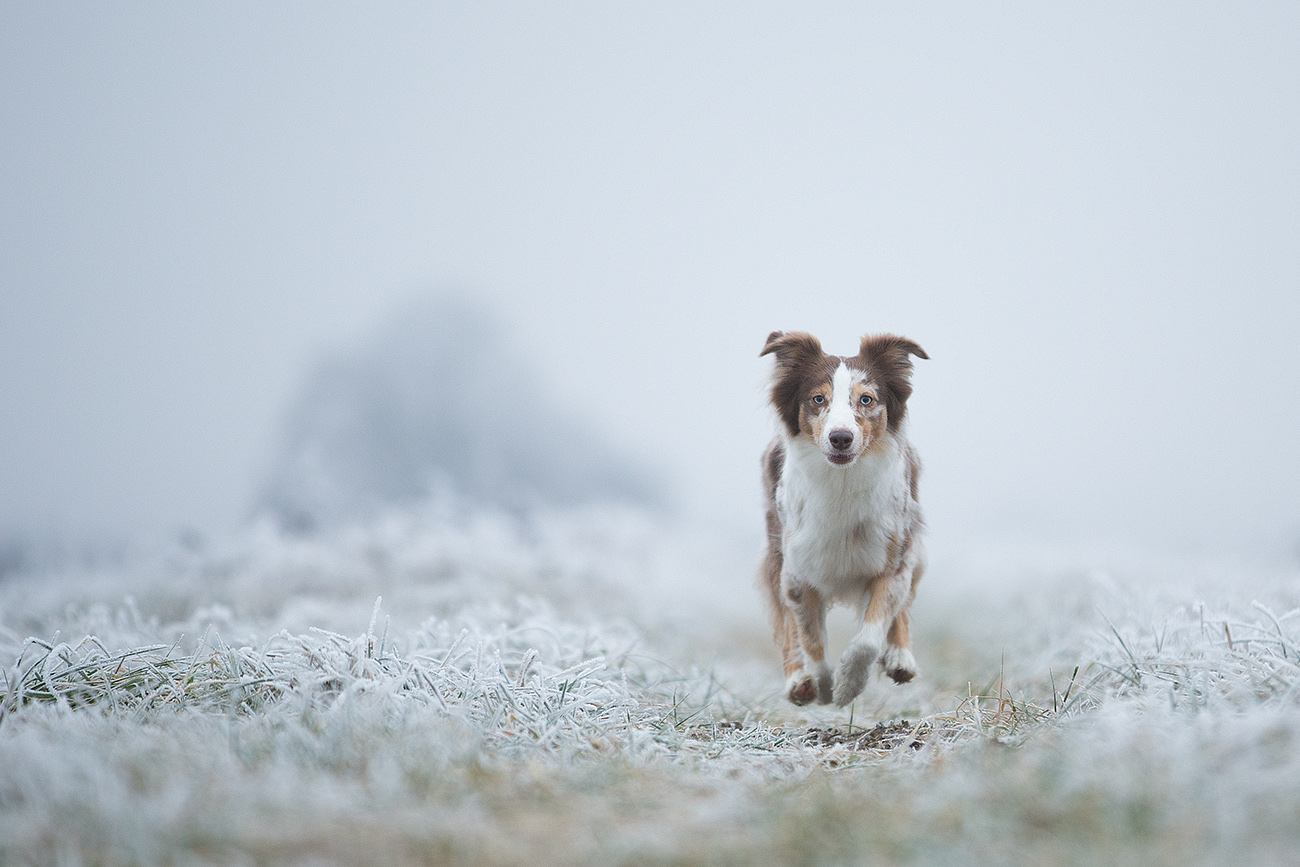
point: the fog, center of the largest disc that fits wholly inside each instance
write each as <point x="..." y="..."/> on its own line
<point x="1087" y="216"/>
<point x="438" y="407"/>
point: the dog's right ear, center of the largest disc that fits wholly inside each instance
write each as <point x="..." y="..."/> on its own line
<point x="791" y="347"/>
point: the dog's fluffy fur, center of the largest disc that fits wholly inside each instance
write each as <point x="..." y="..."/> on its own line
<point x="843" y="524"/>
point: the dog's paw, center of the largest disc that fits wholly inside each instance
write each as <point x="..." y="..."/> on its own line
<point x="801" y="688"/>
<point x="899" y="664"/>
<point x="804" y="687"/>
<point x="852" y="672"/>
<point x="822" y="672"/>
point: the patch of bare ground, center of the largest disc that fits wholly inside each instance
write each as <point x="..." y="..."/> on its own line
<point x="882" y="737"/>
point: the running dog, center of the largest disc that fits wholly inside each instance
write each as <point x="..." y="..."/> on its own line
<point x="843" y="523"/>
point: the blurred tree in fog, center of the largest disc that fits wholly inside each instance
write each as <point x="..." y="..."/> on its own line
<point x="436" y="404"/>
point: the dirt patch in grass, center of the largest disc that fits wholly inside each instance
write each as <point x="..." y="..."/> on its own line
<point x="882" y="737"/>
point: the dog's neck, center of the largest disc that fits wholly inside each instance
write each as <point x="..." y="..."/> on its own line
<point x="876" y="466"/>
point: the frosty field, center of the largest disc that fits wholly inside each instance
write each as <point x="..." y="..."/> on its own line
<point x="441" y="687"/>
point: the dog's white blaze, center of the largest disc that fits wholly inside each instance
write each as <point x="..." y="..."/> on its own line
<point x="840" y="415"/>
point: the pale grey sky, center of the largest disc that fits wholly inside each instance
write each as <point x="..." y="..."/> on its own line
<point x="1087" y="214"/>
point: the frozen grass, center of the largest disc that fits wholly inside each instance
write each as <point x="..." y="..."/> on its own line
<point x="541" y="691"/>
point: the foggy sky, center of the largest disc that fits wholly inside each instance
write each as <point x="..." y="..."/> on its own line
<point x="1087" y="215"/>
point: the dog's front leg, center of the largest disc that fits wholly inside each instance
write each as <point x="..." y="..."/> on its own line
<point x="889" y="596"/>
<point x="810" y="679"/>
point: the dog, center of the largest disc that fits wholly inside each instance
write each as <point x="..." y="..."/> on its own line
<point x="843" y="522"/>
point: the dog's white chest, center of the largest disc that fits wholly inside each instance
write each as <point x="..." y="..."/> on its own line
<point x="838" y="523"/>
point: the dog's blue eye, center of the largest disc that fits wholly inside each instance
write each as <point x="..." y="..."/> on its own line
<point x="865" y="400"/>
<point x="817" y="398"/>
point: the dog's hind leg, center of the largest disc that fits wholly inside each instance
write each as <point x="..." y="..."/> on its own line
<point x="898" y="661"/>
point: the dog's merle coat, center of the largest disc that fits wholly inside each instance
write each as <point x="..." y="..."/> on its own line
<point x="843" y="523"/>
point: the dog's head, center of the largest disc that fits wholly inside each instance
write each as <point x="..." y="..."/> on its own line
<point x="844" y="405"/>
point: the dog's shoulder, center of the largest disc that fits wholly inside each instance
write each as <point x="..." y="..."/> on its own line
<point x="773" y="464"/>
<point x="913" y="471"/>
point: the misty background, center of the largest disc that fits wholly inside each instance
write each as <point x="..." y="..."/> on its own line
<point x="222" y="226"/>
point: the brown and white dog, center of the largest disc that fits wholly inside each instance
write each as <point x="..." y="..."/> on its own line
<point x="843" y="524"/>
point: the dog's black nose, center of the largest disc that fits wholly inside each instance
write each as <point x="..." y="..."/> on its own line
<point x="841" y="439"/>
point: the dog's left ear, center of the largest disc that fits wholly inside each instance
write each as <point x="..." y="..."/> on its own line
<point x="889" y="358"/>
<point x="886" y="345"/>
